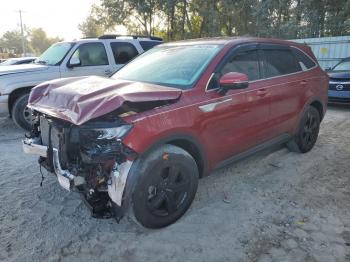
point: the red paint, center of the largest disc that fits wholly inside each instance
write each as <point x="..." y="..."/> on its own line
<point x="241" y="119"/>
<point x="233" y="77"/>
<point x="266" y="109"/>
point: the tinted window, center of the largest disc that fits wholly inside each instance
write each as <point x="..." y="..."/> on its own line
<point x="244" y="62"/>
<point x="146" y="45"/>
<point x="280" y="62"/>
<point x="304" y="61"/>
<point x="91" y="54"/>
<point x="123" y="52"/>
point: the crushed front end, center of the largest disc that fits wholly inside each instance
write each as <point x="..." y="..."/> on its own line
<point x="90" y="158"/>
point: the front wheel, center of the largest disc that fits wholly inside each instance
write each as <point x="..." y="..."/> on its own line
<point x="21" y="114"/>
<point x="166" y="186"/>
<point x="307" y="134"/>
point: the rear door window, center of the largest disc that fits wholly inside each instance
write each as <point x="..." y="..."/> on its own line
<point x="123" y="52"/>
<point x="279" y="62"/>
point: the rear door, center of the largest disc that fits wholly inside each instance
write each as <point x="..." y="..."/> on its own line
<point x="93" y="61"/>
<point x="285" y="85"/>
<point x="237" y="121"/>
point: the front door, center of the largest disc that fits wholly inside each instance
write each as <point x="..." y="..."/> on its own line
<point x="93" y="61"/>
<point x="237" y="121"/>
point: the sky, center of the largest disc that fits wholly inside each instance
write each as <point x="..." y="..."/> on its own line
<point x="56" y="17"/>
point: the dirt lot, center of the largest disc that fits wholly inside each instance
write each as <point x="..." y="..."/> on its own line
<point x="274" y="206"/>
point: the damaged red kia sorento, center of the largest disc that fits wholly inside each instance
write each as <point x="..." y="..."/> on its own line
<point x="137" y="143"/>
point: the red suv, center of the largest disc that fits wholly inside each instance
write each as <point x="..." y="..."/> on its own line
<point x="138" y="142"/>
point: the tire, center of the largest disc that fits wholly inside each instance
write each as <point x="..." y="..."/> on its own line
<point x="308" y="131"/>
<point x="21" y="114"/>
<point x="165" y="188"/>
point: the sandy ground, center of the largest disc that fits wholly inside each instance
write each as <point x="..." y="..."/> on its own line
<point x="274" y="206"/>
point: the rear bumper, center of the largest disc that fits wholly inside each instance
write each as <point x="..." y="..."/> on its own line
<point x="4" y="108"/>
<point x="338" y="96"/>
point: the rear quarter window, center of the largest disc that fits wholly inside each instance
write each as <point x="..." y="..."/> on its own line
<point x="123" y="52"/>
<point x="146" y="45"/>
<point x="304" y="61"/>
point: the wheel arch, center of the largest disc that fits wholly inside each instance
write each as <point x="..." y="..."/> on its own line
<point x="184" y="141"/>
<point x="188" y="143"/>
<point x="15" y="94"/>
<point x="319" y="106"/>
<point x="192" y="148"/>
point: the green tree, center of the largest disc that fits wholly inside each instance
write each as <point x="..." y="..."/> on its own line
<point x="13" y="39"/>
<point x="137" y="15"/>
<point x="180" y="19"/>
<point x="39" y="41"/>
<point x="96" y="23"/>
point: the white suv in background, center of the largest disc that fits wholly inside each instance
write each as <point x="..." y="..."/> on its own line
<point x="91" y="56"/>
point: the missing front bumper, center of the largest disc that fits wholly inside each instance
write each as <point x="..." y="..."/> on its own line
<point x="64" y="177"/>
<point x="31" y="146"/>
<point x="68" y="181"/>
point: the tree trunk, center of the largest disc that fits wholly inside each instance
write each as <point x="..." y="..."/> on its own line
<point x="189" y="25"/>
<point x="297" y="19"/>
<point x="184" y="12"/>
<point x="172" y="20"/>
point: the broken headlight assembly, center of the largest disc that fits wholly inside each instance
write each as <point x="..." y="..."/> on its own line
<point x="100" y="144"/>
<point x="112" y="133"/>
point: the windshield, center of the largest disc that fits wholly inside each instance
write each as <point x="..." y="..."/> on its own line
<point x="174" y="66"/>
<point x="342" y="66"/>
<point x="55" y="54"/>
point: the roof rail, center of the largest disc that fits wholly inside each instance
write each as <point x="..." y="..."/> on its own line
<point x="113" y="36"/>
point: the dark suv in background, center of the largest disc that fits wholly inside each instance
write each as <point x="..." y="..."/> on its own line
<point x="339" y="82"/>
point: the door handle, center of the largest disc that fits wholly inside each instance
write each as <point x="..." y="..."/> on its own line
<point x="303" y="82"/>
<point x="261" y="92"/>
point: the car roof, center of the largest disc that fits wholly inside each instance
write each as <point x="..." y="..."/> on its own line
<point x="120" y="39"/>
<point x="232" y="41"/>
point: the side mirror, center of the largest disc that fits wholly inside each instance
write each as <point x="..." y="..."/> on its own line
<point x="327" y="69"/>
<point x="73" y="62"/>
<point x="232" y="80"/>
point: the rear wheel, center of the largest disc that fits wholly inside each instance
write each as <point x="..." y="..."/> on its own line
<point x="307" y="135"/>
<point x="166" y="186"/>
<point x="21" y="114"/>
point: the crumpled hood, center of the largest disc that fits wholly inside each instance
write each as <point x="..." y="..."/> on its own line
<point x="80" y="99"/>
<point x="13" y="69"/>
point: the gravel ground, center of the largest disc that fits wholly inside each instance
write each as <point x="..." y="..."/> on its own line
<point x="274" y="206"/>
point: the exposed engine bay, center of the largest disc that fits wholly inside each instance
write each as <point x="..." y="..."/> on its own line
<point x="90" y="159"/>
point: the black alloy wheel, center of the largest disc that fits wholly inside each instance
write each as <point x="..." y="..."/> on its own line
<point x="165" y="186"/>
<point x="168" y="191"/>
<point x="307" y="135"/>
